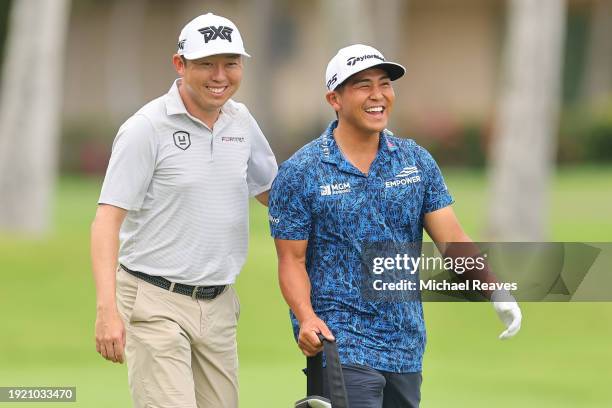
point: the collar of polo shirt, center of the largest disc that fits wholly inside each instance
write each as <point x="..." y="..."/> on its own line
<point x="331" y="153"/>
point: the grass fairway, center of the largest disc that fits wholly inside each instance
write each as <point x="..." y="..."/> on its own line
<point x="561" y="358"/>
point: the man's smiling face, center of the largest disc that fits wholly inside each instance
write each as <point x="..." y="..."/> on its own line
<point x="365" y="100"/>
<point x="210" y="81"/>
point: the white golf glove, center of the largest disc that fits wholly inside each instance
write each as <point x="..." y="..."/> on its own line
<point x="508" y="311"/>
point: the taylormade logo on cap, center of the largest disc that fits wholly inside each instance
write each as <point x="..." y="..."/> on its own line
<point x="210" y="34"/>
<point x="353" y="60"/>
<point x="356" y="58"/>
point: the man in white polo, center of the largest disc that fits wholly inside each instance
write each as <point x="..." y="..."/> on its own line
<point x="174" y="212"/>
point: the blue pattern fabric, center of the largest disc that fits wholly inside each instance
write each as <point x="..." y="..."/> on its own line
<point x="320" y="197"/>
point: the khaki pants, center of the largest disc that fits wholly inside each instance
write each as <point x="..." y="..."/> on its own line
<point x="181" y="352"/>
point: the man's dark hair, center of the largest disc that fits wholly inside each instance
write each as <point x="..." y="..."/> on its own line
<point x="340" y="86"/>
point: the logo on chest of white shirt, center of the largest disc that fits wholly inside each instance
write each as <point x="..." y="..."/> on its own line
<point x="333" y="189"/>
<point x="408" y="175"/>
<point x="232" y="139"/>
<point x="182" y="140"/>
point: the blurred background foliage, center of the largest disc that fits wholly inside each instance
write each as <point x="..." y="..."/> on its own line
<point x="455" y="137"/>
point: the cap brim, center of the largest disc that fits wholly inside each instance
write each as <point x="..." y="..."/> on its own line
<point x="394" y="70"/>
<point x="198" y="55"/>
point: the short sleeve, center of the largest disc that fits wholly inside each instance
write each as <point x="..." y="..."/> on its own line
<point x="289" y="206"/>
<point x="437" y="195"/>
<point x="131" y="165"/>
<point x="262" y="167"/>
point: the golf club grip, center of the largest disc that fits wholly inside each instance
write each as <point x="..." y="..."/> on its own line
<point x="314" y="375"/>
<point x="335" y="379"/>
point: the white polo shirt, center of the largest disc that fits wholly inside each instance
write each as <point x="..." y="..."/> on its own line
<point x="186" y="189"/>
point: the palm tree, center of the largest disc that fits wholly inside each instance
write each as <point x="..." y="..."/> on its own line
<point x="525" y="131"/>
<point x="30" y="112"/>
<point x="124" y="66"/>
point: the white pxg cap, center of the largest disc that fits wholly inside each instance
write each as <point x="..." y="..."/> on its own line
<point x="356" y="58"/>
<point x="210" y="34"/>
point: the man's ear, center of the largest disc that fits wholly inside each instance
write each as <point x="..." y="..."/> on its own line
<point x="333" y="98"/>
<point x="179" y="64"/>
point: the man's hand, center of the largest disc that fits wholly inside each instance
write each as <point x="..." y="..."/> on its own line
<point x="295" y="286"/>
<point x="110" y="332"/>
<point x="508" y="311"/>
<point x="308" y="341"/>
<point x="110" y="335"/>
<point x="263" y="197"/>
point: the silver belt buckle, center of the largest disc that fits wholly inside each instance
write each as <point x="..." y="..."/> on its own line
<point x="194" y="292"/>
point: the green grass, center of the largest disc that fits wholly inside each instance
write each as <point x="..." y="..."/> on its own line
<point x="561" y="358"/>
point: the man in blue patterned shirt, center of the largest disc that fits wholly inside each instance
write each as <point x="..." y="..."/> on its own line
<point x="355" y="185"/>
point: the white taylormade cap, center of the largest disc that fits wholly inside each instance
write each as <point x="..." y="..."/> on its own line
<point x="210" y="34"/>
<point x="356" y="58"/>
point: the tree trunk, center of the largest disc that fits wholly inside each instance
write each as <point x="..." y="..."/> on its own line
<point x="124" y="60"/>
<point x="597" y="84"/>
<point x="30" y="113"/>
<point x="261" y="75"/>
<point x="348" y="22"/>
<point x="344" y="22"/>
<point x="525" y="133"/>
<point x="389" y="21"/>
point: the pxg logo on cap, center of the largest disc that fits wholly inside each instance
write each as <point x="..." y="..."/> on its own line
<point x="356" y="58"/>
<point x="212" y="33"/>
<point x="208" y="35"/>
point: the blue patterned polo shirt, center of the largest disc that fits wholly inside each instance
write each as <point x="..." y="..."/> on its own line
<point x="320" y="197"/>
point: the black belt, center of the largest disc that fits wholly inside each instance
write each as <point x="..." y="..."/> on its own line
<point x="196" y="292"/>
